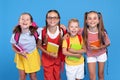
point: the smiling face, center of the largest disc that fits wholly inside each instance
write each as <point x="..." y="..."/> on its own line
<point x="92" y="19"/>
<point x="25" y="21"/>
<point x="52" y="19"/>
<point x="73" y="28"/>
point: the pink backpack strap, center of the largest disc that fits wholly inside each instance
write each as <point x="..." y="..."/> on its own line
<point x="17" y="34"/>
<point x="16" y="37"/>
<point x="36" y="35"/>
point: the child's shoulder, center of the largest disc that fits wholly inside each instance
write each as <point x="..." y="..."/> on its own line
<point x="80" y="31"/>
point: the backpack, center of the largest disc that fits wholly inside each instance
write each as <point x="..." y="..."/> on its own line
<point x="68" y="40"/>
<point x="17" y="34"/>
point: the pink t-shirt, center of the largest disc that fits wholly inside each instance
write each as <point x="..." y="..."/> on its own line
<point x="93" y="40"/>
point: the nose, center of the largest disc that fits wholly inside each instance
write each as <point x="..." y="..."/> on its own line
<point x="24" y="20"/>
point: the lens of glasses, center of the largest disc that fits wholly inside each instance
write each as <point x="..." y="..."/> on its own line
<point x="52" y="17"/>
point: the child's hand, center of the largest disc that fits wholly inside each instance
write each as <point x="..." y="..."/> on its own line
<point x="63" y="26"/>
<point x="78" y="55"/>
<point x="24" y="54"/>
<point x="53" y="55"/>
<point x="94" y="47"/>
<point x="66" y="36"/>
<point x="71" y="50"/>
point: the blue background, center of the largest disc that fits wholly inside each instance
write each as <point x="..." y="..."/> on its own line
<point x="10" y="11"/>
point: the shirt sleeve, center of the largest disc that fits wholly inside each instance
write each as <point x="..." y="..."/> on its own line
<point x="107" y="40"/>
<point x="12" y="40"/>
<point x="64" y="44"/>
<point x="39" y="30"/>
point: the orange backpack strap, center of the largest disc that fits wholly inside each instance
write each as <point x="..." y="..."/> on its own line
<point x="68" y="42"/>
<point x="80" y="38"/>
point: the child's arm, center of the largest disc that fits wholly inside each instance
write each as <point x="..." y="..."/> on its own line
<point x="66" y="36"/>
<point x="104" y="46"/>
<point x="39" y="45"/>
<point x="107" y="42"/>
<point x="80" y="51"/>
<point x="23" y="53"/>
<point x="67" y="53"/>
<point x="63" y="26"/>
<point x="77" y="51"/>
<point x="101" y="47"/>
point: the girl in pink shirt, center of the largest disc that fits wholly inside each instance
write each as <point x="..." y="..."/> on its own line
<point x="96" y="40"/>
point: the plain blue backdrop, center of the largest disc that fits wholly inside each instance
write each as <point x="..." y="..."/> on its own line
<point x="10" y="11"/>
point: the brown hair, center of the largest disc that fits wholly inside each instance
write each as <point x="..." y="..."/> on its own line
<point x="31" y="28"/>
<point x="100" y="26"/>
<point x="46" y="36"/>
<point x="50" y="12"/>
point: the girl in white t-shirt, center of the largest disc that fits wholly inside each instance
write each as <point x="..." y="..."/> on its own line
<point x="23" y="42"/>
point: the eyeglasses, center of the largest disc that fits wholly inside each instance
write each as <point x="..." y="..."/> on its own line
<point x="55" y="18"/>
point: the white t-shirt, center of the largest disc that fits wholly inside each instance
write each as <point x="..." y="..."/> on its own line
<point x="52" y="36"/>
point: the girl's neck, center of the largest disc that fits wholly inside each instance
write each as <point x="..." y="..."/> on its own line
<point x="25" y="30"/>
<point x="73" y="35"/>
<point x="52" y="29"/>
<point x="93" y="29"/>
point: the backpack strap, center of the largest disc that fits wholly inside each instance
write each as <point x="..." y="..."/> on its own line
<point x="68" y="40"/>
<point x="44" y="35"/>
<point x="80" y="38"/>
<point x="44" y="32"/>
<point x="36" y="35"/>
<point x="17" y="34"/>
<point x="16" y="37"/>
